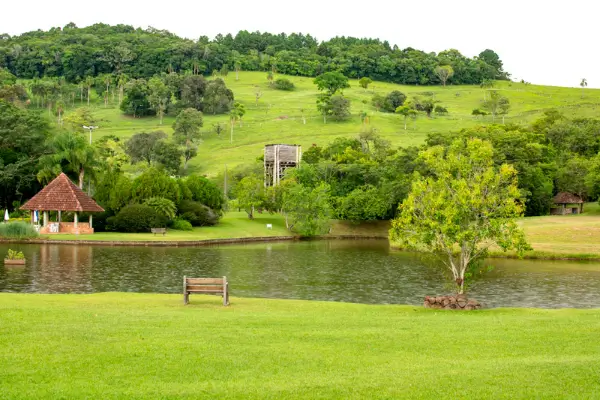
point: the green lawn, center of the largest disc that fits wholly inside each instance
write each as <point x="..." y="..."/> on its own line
<point x="278" y="116"/>
<point x="150" y="346"/>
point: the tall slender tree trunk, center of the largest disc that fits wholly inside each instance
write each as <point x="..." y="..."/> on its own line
<point x="81" y="175"/>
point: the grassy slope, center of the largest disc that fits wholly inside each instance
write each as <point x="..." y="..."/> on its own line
<point x="277" y="118"/>
<point x="139" y="346"/>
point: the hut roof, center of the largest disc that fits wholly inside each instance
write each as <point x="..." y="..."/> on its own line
<point x="567" y="198"/>
<point x="62" y="195"/>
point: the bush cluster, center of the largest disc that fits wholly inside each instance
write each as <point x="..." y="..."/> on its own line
<point x="17" y="230"/>
<point x="136" y="218"/>
<point x="197" y="214"/>
<point x="284" y="84"/>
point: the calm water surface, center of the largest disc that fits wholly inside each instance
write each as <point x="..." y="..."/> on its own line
<point x="352" y="271"/>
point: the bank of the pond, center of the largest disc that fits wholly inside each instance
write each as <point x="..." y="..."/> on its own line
<point x="117" y="345"/>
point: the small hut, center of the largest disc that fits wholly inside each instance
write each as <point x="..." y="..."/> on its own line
<point x="63" y="195"/>
<point x="567" y="203"/>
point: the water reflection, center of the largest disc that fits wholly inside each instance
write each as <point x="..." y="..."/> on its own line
<point x="354" y="271"/>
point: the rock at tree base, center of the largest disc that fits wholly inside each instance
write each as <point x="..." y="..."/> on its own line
<point x="458" y="302"/>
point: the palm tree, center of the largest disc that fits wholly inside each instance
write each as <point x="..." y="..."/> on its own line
<point x="89" y="81"/>
<point x="70" y="153"/>
<point x="583" y="85"/>
<point x="60" y="107"/>
<point x="121" y="83"/>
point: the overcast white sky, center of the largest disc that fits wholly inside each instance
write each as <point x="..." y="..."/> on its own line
<point x="551" y="42"/>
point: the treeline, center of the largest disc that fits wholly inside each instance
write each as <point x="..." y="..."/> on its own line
<point x="77" y="53"/>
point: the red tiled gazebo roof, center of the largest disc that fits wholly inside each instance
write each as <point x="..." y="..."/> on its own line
<point x="567" y="198"/>
<point x="62" y="195"/>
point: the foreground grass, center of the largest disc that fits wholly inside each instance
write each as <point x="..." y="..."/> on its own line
<point x="138" y="346"/>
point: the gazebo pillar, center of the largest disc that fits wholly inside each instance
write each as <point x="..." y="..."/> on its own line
<point x="59" y="216"/>
<point x="91" y="221"/>
<point x="45" y="218"/>
<point x="75" y="220"/>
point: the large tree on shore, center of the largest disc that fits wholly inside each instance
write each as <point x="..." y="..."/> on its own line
<point x="463" y="208"/>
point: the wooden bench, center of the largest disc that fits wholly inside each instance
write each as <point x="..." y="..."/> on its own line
<point x="158" y="230"/>
<point x="218" y="286"/>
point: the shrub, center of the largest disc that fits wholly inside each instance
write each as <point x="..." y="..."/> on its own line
<point x="164" y="207"/>
<point x="440" y="110"/>
<point x="182" y="225"/>
<point x="284" y="84"/>
<point x="206" y="192"/>
<point x="15" y="255"/>
<point x="136" y="218"/>
<point x="197" y="213"/>
<point x="394" y="100"/>
<point x="17" y="230"/>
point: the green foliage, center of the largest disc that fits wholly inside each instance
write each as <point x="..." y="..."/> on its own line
<point x="182" y="225"/>
<point x="391" y="102"/>
<point x="158" y="96"/>
<point x="365" y="203"/>
<point x="155" y="150"/>
<point x="331" y="82"/>
<point x="337" y="107"/>
<point x="284" y="84"/>
<point x="364" y="82"/>
<point x="206" y="192"/>
<point x="440" y="110"/>
<point x="218" y="99"/>
<point x="186" y="132"/>
<point x="69" y="153"/>
<point x="496" y="104"/>
<point x="17" y="230"/>
<point x="155" y="183"/>
<point x="250" y="194"/>
<point x="307" y="209"/>
<point x="467" y="204"/>
<point x="444" y="72"/>
<point x="136" y="218"/>
<point x="113" y="191"/>
<point x="15" y="255"/>
<point x="162" y="206"/>
<point x="197" y="214"/>
<point x="136" y="101"/>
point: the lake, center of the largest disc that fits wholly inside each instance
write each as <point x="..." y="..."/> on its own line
<point x="359" y="271"/>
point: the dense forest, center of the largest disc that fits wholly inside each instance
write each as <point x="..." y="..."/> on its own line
<point x="76" y="53"/>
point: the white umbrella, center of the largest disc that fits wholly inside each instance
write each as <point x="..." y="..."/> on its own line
<point x="6" y="217"/>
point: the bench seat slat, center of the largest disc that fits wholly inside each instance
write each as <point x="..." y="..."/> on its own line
<point x="220" y="292"/>
<point x="204" y="287"/>
<point x="204" y="281"/>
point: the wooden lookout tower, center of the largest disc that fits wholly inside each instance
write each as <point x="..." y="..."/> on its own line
<point x="278" y="158"/>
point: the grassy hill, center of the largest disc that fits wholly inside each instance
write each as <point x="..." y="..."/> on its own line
<point x="278" y="116"/>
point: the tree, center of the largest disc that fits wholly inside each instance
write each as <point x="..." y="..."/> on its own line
<point x="206" y="192"/>
<point x="121" y="82"/>
<point x="495" y="104"/>
<point x="250" y="194"/>
<point x="407" y="111"/>
<point x="440" y="110"/>
<point x="218" y="98"/>
<point x="186" y="132"/>
<point x="339" y="107"/>
<point x="224" y="71"/>
<point x="257" y="95"/>
<point x="142" y="147"/>
<point x="193" y="88"/>
<point x="364" y="82"/>
<point x="331" y="82"/>
<point x="237" y="112"/>
<point x="158" y="96"/>
<point x="467" y="205"/>
<point x="444" y="72"/>
<point x="583" y="85"/>
<point x="492" y="59"/>
<point x="136" y="101"/>
<point x="270" y="77"/>
<point x="70" y="153"/>
<point x="393" y="100"/>
<point x="485" y="85"/>
<point x="59" y="106"/>
<point x="324" y="105"/>
<point x="154" y="182"/>
<point x="307" y="210"/>
<point x="107" y="80"/>
<point x="89" y="82"/>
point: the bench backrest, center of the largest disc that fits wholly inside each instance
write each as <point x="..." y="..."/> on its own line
<point x="158" y="230"/>
<point x="205" y="285"/>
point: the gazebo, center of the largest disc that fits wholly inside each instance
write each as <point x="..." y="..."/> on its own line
<point x="63" y="195"/>
<point x="564" y="202"/>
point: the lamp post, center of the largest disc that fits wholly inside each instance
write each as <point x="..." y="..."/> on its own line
<point x="90" y="128"/>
